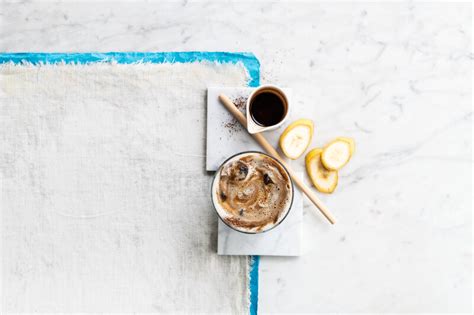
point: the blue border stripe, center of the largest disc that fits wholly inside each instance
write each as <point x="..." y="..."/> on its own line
<point x="254" y="263"/>
<point x="249" y="60"/>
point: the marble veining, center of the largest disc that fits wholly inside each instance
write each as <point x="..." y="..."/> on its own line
<point x="397" y="77"/>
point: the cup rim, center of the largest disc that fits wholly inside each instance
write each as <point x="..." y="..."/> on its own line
<point x="290" y="206"/>
<point x="281" y="92"/>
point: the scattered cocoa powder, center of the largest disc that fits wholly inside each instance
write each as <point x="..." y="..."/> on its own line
<point x="240" y="102"/>
<point x="233" y="125"/>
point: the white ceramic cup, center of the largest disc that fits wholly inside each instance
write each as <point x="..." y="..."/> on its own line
<point x="255" y="127"/>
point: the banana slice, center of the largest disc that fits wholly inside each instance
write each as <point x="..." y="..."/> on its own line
<point x="351" y="142"/>
<point x="324" y="180"/>
<point x="296" y="138"/>
<point x="336" y="154"/>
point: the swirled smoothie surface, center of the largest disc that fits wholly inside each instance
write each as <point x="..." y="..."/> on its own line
<point x="254" y="190"/>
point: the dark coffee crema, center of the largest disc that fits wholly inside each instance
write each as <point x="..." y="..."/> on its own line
<point x="254" y="190"/>
<point x="267" y="108"/>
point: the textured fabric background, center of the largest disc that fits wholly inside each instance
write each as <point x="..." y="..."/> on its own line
<point x="104" y="195"/>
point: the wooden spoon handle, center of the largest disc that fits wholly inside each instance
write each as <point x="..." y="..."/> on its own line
<point x="270" y="150"/>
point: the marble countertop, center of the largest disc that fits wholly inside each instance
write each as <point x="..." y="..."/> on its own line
<point x="394" y="76"/>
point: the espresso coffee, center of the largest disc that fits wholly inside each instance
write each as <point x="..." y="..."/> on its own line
<point x="267" y="108"/>
<point x="252" y="192"/>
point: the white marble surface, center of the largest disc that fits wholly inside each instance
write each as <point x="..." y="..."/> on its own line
<point x="395" y="76"/>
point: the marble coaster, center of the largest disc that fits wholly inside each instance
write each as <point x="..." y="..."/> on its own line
<point x="283" y="240"/>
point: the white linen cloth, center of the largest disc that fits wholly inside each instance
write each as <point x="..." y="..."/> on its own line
<point x="105" y="201"/>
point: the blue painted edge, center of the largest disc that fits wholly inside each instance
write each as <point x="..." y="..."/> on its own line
<point x="249" y="61"/>
<point x="254" y="263"/>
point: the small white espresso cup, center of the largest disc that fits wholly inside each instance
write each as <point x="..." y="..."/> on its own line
<point x="267" y="108"/>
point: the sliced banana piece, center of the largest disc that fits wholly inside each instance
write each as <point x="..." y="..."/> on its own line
<point x="296" y="138"/>
<point x="351" y="142"/>
<point x="323" y="179"/>
<point x="336" y="154"/>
